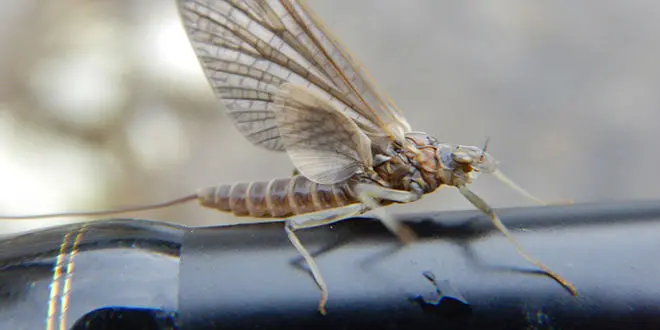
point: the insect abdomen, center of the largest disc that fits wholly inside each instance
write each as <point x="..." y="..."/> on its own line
<point x="277" y="198"/>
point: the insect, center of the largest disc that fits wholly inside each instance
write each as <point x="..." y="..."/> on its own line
<point x="289" y="85"/>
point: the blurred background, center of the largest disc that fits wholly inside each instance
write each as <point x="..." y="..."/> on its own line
<point x="103" y="104"/>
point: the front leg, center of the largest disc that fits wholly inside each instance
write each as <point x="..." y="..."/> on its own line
<point x="481" y="205"/>
<point x="503" y="178"/>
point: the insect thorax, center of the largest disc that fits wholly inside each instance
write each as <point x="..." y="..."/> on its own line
<point x="416" y="163"/>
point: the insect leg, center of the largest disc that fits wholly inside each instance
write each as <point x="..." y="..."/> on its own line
<point x="369" y="194"/>
<point x="316" y="219"/>
<point x="504" y="179"/>
<point x="483" y="206"/>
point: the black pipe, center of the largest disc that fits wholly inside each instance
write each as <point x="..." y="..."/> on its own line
<point x="138" y="274"/>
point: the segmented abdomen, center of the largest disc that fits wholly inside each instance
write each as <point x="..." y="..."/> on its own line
<point x="278" y="198"/>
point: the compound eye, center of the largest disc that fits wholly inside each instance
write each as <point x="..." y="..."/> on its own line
<point x="461" y="157"/>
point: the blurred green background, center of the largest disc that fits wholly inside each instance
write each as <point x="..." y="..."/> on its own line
<point x="102" y="102"/>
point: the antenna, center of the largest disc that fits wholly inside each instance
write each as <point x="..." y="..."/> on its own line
<point x="483" y="151"/>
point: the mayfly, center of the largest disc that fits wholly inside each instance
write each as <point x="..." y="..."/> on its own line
<point x="289" y="85"/>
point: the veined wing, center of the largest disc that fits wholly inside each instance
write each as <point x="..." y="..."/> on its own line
<point x="248" y="49"/>
<point x="324" y="144"/>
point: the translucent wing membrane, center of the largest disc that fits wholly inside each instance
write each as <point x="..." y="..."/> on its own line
<point x="324" y="144"/>
<point x="249" y="49"/>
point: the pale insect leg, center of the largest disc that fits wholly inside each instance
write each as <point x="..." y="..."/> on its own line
<point x="368" y="195"/>
<point x="316" y="219"/>
<point x="504" y="179"/>
<point x="483" y="206"/>
<point x="500" y="176"/>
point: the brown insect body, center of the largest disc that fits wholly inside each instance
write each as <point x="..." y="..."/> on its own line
<point x="422" y="167"/>
<point x="277" y="198"/>
<point x="285" y="197"/>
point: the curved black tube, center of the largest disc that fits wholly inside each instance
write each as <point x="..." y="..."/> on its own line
<point x="137" y="274"/>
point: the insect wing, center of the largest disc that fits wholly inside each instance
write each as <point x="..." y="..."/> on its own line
<point x="324" y="144"/>
<point x="249" y="49"/>
<point x="378" y="105"/>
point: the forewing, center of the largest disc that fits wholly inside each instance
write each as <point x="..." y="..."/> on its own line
<point x="378" y="105"/>
<point x="324" y="144"/>
<point x="249" y="49"/>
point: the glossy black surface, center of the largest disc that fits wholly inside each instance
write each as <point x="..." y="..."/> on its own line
<point x="109" y="263"/>
<point x="152" y="275"/>
<point x="609" y="251"/>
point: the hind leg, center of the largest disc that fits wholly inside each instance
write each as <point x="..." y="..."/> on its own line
<point x="317" y="219"/>
<point x="370" y="194"/>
